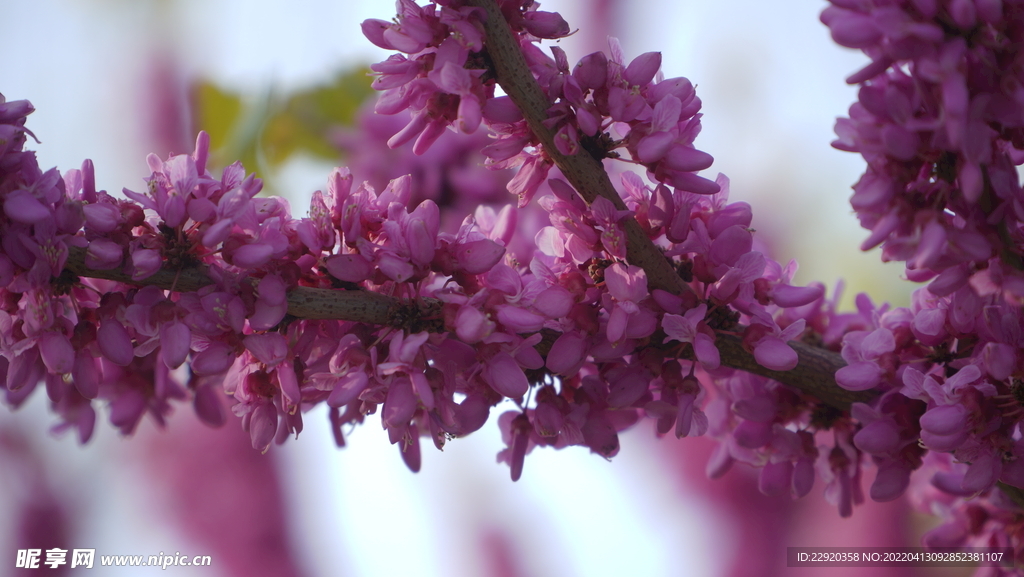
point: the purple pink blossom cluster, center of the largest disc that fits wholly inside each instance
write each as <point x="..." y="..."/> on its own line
<point x="615" y="345"/>
<point x="939" y="122"/>
<point x="446" y="81"/>
<point x="92" y="339"/>
<point x="655" y="120"/>
<point x="563" y="332"/>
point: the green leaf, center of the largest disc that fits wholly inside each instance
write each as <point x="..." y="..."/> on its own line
<point x="217" y="111"/>
<point x="307" y="118"/>
<point x="265" y="131"/>
<point x="234" y="122"/>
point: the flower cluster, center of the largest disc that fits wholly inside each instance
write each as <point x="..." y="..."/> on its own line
<point x="949" y="368"/>
<point x="448" y="173"/>
<point x="656" y="120"/>
<point x="443" y="79"/>
<point x="433" y="318"/>
<point x="939" y="123"/>
<point x="438" y="371"/>
<point x="935" y="121"/>
<point x="570" y="332"/>
<point x="968" y="522"/>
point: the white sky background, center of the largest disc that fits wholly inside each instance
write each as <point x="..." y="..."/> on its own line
<point x="772" y="84"/>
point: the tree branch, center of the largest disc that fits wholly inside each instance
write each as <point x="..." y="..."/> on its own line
<point x="374" y="308"/>
<point x="815" y="374"/>
<point x="303" y="302"/>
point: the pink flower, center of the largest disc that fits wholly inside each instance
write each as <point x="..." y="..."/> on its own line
<point x="567" y="354"/>
<point x="23" y="207"/>
<point x="472" y="325"/>
<point x="545" y="24"/>
<point x="405" y="357"/>
<point x="944" y="428"/>
<point x="608" y="220"/>
<point x="145" y="262"/>
<point x="104" y="254"/>
<point x="505" y="376"/>
<point x="517" y="434"/>
<point x="271" y="303"/>
<point x="478" y="256"/>
<point x="57" y="353"/>
<point x="529" y="178"/>
<point x="400" y="404"/>
<point x="216" y="358"/>
<point x="690" y="328"/>
<point x="628" y="287"/>
<point x="262" y="425"/>
<point x="115" y="342"/>
<point x="175" y="343"/>
<point x="772" y="351"/>
<point x="349" y="267"/>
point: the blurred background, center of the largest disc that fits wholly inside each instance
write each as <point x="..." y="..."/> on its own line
<point x="276" y="84"/>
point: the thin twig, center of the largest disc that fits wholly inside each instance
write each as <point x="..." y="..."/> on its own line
<point x="582" y="170"/>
